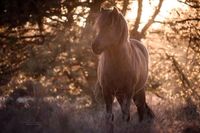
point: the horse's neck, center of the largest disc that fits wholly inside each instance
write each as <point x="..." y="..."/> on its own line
<point x="118" y="52"/>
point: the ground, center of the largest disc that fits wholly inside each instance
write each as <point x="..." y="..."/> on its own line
<point x="51" y="115"/>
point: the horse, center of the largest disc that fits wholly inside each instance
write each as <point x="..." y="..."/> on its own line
<point x="122" y="69"/>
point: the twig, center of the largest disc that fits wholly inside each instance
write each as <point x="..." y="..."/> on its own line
<point x="190" y="5"/>
<point x="178" y="21"/>
<point x="183" y="77"/>
<point x="151" y="20"/>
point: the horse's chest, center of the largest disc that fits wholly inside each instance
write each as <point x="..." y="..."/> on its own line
<point x="116" y="76"/>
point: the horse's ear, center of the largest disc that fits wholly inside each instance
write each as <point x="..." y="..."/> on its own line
<point x="115" y="10"/>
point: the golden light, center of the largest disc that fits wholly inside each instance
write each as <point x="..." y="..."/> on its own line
<point x="148" y="9"/>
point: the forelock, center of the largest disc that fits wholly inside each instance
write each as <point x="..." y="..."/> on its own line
<point x="107" y="18"/>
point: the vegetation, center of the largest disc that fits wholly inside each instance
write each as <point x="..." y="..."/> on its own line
<point x="45" y="53"/>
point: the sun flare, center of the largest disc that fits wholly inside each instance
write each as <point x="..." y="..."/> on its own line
<point x="148" y="8"/>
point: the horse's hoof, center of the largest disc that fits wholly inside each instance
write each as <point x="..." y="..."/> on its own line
<point x="148" y="117"/>
<point x="109" y="123"/>
<point x="109" y="117"/>
<point x="109" y="128"/>
<point x="150" y="114"/>
<point x="126" y="117"/>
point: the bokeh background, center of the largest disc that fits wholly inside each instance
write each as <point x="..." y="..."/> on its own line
<point x="48" y="70"/>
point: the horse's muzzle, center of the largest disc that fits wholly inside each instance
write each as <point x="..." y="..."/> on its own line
<point x="96" y="49"/>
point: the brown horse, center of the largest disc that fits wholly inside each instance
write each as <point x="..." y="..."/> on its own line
<point x="123" y="65"/>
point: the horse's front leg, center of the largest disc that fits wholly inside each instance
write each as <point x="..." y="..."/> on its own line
<point x="98" y="94"/>
<point x="125" y="102"/>
<point x="108" y="101"/>
<point x="108" y="97"/>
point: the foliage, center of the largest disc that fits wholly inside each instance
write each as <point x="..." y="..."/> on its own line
<point x="46" y="59"/>
<point x="182" y="51"/>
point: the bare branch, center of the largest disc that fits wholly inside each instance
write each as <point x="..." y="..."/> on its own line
<point x="178" y="21"/>
<point x="195" y="4"/>
<point x="151" y="20"/>
<point x="22" y="37"/>
<point x="125" y="5"/>
<point x="134" y="32"/>
<point x="139" y="14"/>
<point x="185" y="81"/>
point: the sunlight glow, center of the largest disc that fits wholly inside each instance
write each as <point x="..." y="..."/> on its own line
<point x="81" y="19"/>
<point x="148" y="8"/>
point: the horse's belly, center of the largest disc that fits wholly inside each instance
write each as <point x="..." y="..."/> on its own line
<point x="116" y="80"/>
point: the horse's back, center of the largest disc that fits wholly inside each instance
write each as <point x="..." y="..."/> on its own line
<point x="140" y="46"/>
<point x="140" y="59"/>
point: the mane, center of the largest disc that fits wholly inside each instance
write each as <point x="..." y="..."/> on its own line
<point x="121" y="24"/>
<point x="107" y="18"/>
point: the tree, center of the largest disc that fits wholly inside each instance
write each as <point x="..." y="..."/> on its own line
<point x="40" y="24"/>
<point x="141" y="34"/>
<point x="184" y="36"/>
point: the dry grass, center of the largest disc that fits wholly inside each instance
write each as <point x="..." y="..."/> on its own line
<point x="56" y="116"/>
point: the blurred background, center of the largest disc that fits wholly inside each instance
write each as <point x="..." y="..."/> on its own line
<point x="48" y="70"/>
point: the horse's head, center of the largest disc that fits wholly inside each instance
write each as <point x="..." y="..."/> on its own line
<point x="111" y="29"/>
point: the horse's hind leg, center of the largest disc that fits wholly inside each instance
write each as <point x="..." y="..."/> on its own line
<point x="142" y="107"/>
